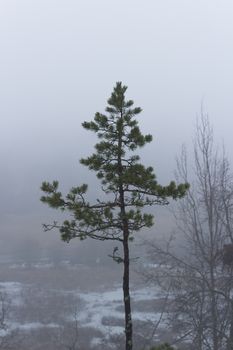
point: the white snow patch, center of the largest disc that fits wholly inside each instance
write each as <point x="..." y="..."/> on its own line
<point x="95" y="342"/>
<point x="13" y="291"/>
<point x="35" y="325"/>
<point x="100" y="305"/>
<point x="145" y="293"/>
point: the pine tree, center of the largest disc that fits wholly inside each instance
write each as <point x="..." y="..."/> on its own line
<point x="128" y="187"/>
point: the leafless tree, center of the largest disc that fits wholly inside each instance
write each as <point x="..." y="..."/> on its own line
<point x="201" y="283"/>
<point x="67" y="335"/>
<point x="9" y="339"/>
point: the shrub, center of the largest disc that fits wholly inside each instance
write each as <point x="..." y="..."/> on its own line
<point x="164" y="346"/>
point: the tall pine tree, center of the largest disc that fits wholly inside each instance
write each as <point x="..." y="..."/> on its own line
<point x="127" y="185"/>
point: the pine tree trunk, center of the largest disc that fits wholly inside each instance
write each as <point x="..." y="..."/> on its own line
<point x="127" y="305"/>
<point x="125" y="229"/>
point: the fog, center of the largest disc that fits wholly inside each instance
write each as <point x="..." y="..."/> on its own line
<point x="59" y="62"/>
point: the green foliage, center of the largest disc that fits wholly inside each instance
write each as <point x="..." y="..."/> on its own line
<point x="128" y="186"/>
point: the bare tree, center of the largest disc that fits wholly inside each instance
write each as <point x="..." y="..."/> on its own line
<point x="9" y="339"/>
<point x="201" y="284"/>
<point x="69" y="334"/>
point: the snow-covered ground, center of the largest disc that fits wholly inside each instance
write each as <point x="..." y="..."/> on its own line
<point x="100" y="310"/>
<point x="108" y="304"/>
<point x="96" y="306"/>
<point x="11" y="292"/>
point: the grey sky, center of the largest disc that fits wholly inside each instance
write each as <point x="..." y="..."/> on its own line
<point x="59" y="61"/>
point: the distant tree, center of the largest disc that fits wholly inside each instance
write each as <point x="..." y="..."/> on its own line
<point x="164" y="346"/>
<point x="68" y="337"/>
<point x="127" y="185"/>
<point x="9" y="338"/>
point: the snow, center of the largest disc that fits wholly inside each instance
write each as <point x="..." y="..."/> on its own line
<point x="95" y="342"/>
<point x="145" y="293"/>
<point x="102" y="310"/>
<point x="34" y="325"/>
<point x="38" y="265"/>
<point x="98" y="306"/>
<point x="107" y="305"/>
<point x="13" y="292"/>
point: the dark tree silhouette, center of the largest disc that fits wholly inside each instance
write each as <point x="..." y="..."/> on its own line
<point x="128" y="187"/>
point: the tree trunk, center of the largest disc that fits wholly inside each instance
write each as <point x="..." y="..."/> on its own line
<point x="230" y="339"/>
<point x="127" y="305"/>
<point x="125" y="229"/>
<point x="215" y="337"/>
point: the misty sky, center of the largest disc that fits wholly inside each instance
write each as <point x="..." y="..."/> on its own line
<point x="59" y="60"/>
